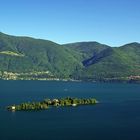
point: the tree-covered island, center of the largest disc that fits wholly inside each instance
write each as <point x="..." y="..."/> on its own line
<point x="46" y="103"/>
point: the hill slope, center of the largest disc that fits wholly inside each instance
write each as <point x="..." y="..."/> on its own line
<point x="23" y="54"/>
<point x="29" y="58"/>
<point x="111" y="62"/>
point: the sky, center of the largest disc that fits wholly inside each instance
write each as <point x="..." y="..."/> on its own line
<point x="111" y="22"/>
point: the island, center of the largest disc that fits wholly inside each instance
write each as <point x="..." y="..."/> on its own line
<point x="47" y="103"/>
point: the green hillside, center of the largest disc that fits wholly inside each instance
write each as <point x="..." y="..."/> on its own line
<point x="29" y="58"/>
<point x="23" y="54"/>
<point x="120" y="62"/>
<point x="87" y="49"/>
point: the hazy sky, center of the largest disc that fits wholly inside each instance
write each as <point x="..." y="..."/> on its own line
<point x="113" y="22"/>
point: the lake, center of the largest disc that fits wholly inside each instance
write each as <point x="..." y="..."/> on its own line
<point x="116" y="117"/>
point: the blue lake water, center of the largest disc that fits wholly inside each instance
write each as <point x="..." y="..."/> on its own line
<point x="117" y="117"/>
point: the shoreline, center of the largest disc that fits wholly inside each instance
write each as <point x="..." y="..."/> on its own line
<point x="48" y="76"/>
<point x="72" y="80"/>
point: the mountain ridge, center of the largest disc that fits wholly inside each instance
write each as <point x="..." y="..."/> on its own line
<point x="80" y="61"/>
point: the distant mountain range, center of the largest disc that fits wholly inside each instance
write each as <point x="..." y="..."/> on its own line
<point x="29" y="58"/>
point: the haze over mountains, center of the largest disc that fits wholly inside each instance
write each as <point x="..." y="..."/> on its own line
<point x="81" y="61"/>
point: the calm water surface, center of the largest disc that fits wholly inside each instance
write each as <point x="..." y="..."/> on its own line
<point x="117" y="117"/>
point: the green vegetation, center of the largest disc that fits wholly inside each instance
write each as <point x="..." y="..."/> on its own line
<point x="87" y="49"/>
<point x="25" y="57"/>
<point x="54" y="102"/>
<point x="109" y="64"/>
<point x="39" y="55"/>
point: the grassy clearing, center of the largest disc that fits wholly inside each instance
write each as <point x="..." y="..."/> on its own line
<point x="12" y="53"/>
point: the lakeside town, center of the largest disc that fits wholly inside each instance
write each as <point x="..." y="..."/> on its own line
<point x="48" y="76"/>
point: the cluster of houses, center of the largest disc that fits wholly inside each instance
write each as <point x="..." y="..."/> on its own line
<point x="57" y="102"/>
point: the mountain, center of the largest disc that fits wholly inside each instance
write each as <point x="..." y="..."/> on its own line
<point x="111" y="62"/>
<point x="87" y="49"/>
<point x="24" y="54"/>
<point x="29" y="58"/>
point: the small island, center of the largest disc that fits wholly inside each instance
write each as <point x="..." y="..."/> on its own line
<point x="46" y="103"/>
